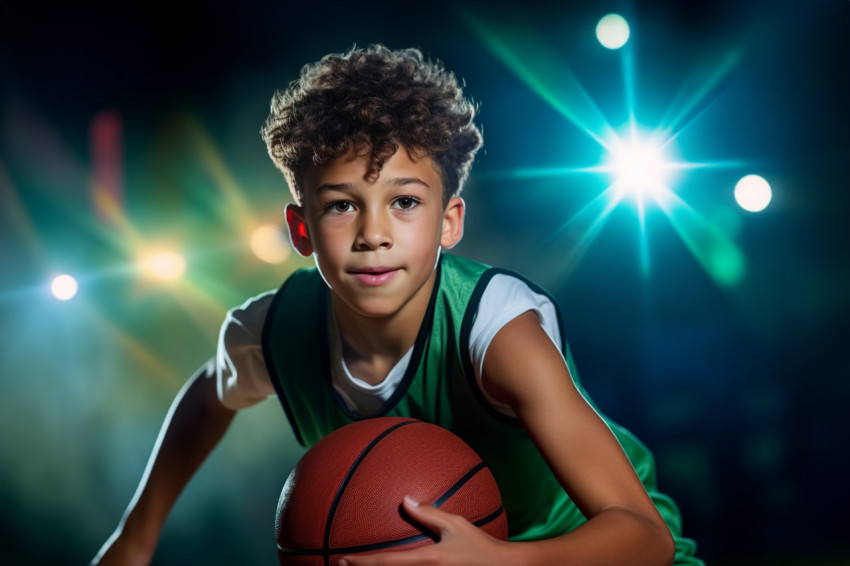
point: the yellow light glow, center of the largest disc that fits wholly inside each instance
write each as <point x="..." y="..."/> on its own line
<point x="612" y="31"/>
<point x="167" y="266"/>
<point x="270" y="243"/>
<point x="64" y="287"/>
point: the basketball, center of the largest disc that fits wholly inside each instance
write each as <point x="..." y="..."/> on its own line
<point x="344" y="496"/>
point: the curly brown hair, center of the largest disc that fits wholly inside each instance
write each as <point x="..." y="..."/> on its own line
<point x="372" y="100"/>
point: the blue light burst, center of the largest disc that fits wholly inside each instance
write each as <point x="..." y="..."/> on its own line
<point x="643" y="163"/>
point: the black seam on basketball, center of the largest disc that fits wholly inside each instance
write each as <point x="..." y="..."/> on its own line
<point x="341" y="489"/>
<point x="458" y="484"/>
<point x="328" y="552"/>
<point x="491" y="517"/>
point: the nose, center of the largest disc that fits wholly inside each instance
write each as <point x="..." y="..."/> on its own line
<point x="374" y="232"/>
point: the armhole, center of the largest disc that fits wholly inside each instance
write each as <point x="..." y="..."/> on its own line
<point x="268" y="357"/>
<point x="466" y="329"/>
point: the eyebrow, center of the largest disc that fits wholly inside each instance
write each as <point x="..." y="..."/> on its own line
<point x="394" y="182"/>
<point x="401" y="181"/>
<point x="333" y="187"/>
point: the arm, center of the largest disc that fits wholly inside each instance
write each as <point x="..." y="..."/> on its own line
<point x="524" y="369"/>
<point x="193" y="427"/>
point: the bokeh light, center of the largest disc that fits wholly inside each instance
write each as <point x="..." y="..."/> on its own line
<point x="753" y="193"/>
<point x="166" y="266"/>
<point x="270" y="243"/>
<point x="64" y="287"/>
<point x="612" y="31"/>
<point x="107" y="148"/>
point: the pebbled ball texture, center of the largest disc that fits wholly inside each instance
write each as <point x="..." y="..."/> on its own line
<point x="344" y="495"/>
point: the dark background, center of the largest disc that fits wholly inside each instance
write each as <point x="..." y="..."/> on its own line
<point x="740" y="387"/>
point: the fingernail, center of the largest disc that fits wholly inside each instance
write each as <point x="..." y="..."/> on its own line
<point x="343" y="562"/>
<point x="411" y="501"/>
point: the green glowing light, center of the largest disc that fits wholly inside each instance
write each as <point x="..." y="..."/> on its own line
<point x="727" y="264"/>
<point x="524" y="50"/>
<point x="716" y="253"/>
<point x="693" y="97"/>
<point x="584" y="227"/>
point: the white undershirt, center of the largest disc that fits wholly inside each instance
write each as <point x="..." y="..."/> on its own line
<point x="243" y="379"/>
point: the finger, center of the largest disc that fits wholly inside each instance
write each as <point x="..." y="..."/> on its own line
<point x="430" y="517"/>
<point x="435" y="519"/>
<point x="369" y="560"/>
<point x="403" y="558"/>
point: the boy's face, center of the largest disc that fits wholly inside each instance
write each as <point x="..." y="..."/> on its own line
<point x="376" y="240"/>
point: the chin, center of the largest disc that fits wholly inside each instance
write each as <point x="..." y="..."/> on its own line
<point x="375" y="309"/>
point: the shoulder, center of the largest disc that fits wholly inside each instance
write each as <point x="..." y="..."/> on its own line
<point x="503" y="298"/>
<point x="243" y="325"/>
<point x="255" y="310"/>
<point x="502" y="295"/>
<point x="460" y="274"/>
<point x="241" y="376"/>
<point x="251" y="310"/>
<point x="463" y="273"/>
<point x="301" y="289"/>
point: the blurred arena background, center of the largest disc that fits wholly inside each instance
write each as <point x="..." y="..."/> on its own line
<point x="130" y="161"/>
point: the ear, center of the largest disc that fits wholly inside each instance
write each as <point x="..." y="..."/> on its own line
<point x="298" y="229"/>
<point x="452" y="223"/>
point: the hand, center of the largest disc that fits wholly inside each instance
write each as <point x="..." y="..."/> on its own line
<point x="460" y="542"/>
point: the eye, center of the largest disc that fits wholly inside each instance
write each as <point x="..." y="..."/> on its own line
<point x="339" y="207"/>
<point x="406" y="203"/>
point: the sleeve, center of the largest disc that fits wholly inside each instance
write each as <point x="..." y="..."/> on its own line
<point x="242" y="379"/>
<point x="504" y="299"/>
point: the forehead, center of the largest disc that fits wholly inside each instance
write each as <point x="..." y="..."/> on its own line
<point x="354" y="170"/>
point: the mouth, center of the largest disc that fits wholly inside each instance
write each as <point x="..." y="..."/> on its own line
<point x="374" y="276"/>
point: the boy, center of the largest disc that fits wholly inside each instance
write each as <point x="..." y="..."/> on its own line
<point x="375" y="146"/>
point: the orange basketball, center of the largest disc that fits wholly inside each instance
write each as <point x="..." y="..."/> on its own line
<point x="344" y="495"/>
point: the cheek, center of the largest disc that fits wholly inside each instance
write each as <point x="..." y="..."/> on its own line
<point x="328" y="238"/>
<point x="328" y="269"/>
<point x="422" y="243"/>
<point x="421" y="230"/>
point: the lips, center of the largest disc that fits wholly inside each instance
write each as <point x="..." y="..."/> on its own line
<point x="374" y="276"/>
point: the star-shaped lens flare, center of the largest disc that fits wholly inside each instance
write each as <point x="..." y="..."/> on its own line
<point x="643" y="168"/>
<point x="640" y="168"/>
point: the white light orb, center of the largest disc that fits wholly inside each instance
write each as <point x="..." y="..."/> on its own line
<point x="612" y="31"/>
<point x="64" y="287"/>
<point x="753" y="193"/>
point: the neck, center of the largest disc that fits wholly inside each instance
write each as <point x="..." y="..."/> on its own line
<point x="371" y="346"/>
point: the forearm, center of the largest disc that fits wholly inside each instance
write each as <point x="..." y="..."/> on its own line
<point x="194" y="425"/>
<point x="613" y="537"/>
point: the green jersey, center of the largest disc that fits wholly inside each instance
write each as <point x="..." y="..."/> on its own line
<point x="439" y="386"/>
